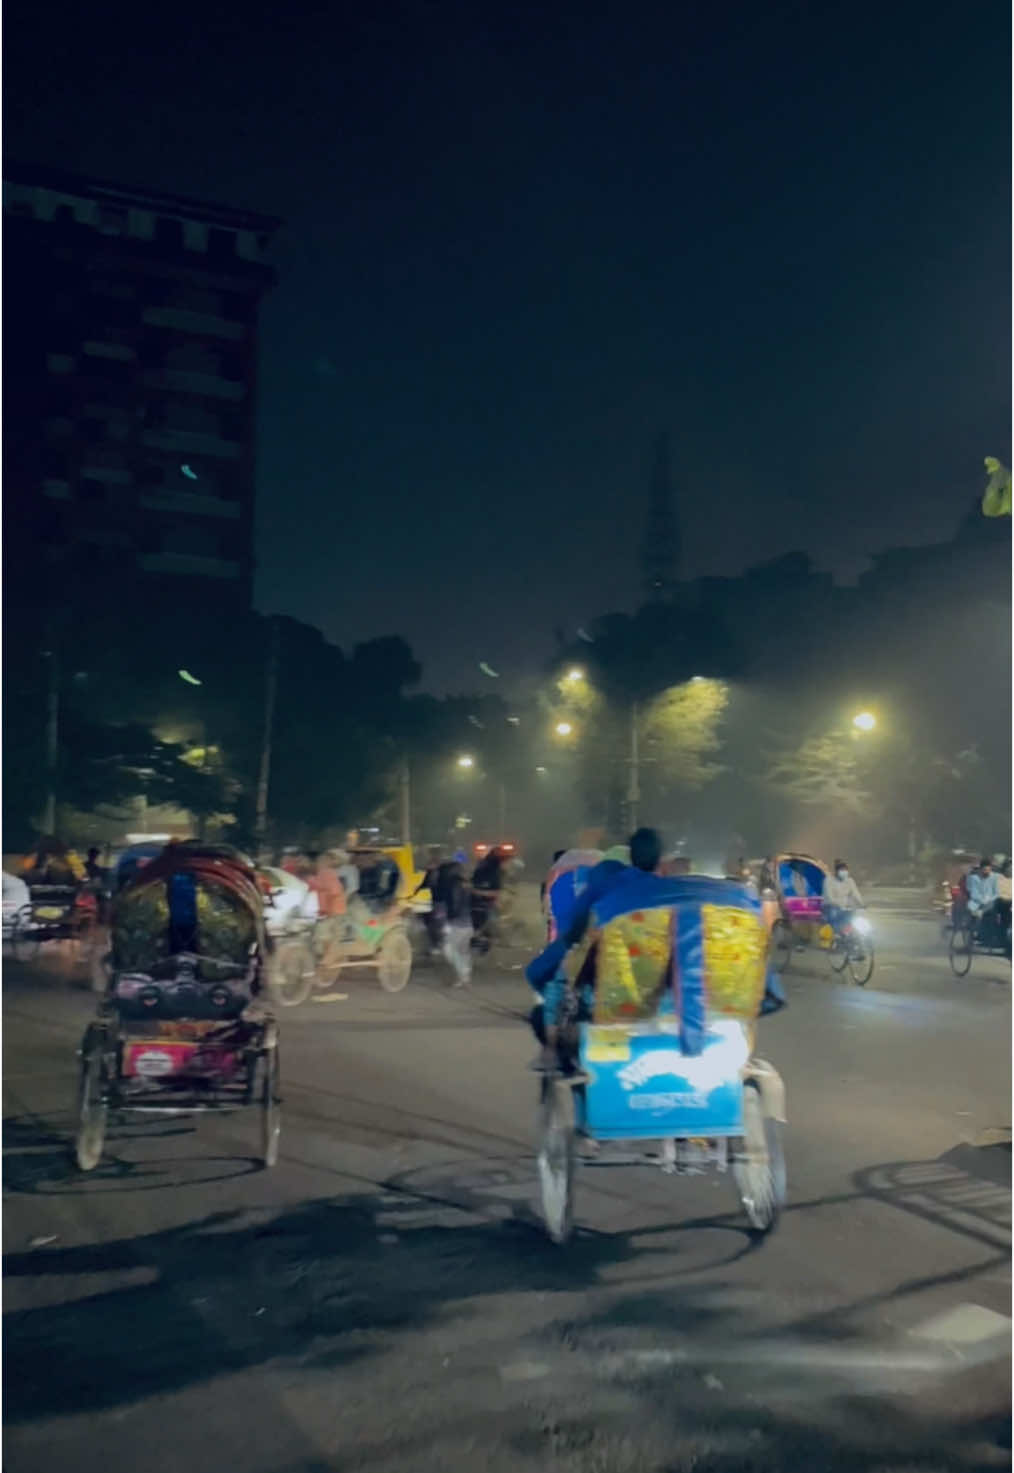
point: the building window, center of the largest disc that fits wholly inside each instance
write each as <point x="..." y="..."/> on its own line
<point x="60" y="398"/>
<point x="169" y="233"/>
<point x="191" y="417"/>
<point x="189" y="299"/>
<point x="194" y="358"/>
<point x="190" y="541"/>
<point x="112" y="220"/>
<point x="222" y="245"/>
<point x="120" y="291"/>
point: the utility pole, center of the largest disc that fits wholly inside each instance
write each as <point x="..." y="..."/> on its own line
<point x="405" y="795"/>
<point x="52" y="736"/>
<point x="264" y="775"/>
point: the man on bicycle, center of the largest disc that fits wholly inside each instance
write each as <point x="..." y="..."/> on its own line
<point x="982" y="895"/>
<point x="841" y="897"/>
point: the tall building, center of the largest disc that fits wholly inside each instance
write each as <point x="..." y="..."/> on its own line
<point x="130" y="368"/>
<point x="660" y="547"/>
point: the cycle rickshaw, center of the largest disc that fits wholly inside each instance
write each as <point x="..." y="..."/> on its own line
<point x="181" y="1028"/>
<point x="678" y="968"/>
<point x="798" y="883"/>
<point x="987" y="935"/>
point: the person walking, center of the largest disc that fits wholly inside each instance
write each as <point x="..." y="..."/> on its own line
<point x="452" y="906"/>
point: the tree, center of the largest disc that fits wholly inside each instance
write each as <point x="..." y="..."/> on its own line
<point x="681" y="731"/>
<point x="996" y="499"/>
<point x="823" y="771"/>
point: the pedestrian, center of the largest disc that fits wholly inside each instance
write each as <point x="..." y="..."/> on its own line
<point x="453" y="909"/>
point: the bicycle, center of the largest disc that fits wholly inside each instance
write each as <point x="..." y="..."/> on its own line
<point x="852" y="947"/>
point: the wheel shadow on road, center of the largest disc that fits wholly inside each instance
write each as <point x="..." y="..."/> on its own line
<point x="38" y="1160"/>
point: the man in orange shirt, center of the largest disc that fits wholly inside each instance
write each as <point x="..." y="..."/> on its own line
<point x="327" y="885"/>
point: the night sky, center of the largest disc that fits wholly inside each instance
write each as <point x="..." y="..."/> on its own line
<point x="521" y="241"/>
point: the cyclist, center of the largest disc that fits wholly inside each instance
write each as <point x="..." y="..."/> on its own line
<point x="841" y="897"/>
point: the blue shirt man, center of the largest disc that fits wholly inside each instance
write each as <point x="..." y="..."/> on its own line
<point x="982" y="888"/>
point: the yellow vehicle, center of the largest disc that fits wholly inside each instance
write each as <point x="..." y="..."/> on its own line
<point x="409" y="875"/>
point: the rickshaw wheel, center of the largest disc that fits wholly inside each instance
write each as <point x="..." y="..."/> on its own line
<point x="758" y="1166"/>
<point x="93" y="1108"/>
<point x="394" y="961"/>
<point x="24" y="942"/>
<point x="781" y="947"/>
<point x="960" y="950"/>
<point x="98" y="972"/>
<point x="294" y="973"/>
<point x="555" y="1159"/>
<point x="270" y="1102"/>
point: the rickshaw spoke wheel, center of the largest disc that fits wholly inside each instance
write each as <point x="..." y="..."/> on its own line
<point x="838" y="955"/>
<point x="270" y="1102"/>
<point x="394" y="961"/>
<point x="93" y="1107"/>
<point x="960" y="950"/>
<point x="758" y="1164"/>
<point x="293" y="974"/>
<point x="555" y="1159"/>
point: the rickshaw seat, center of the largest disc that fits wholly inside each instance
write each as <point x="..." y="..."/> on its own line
<point x="642" y="1086"/>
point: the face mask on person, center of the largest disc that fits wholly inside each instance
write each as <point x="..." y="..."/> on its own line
<point x="843" y="874"/>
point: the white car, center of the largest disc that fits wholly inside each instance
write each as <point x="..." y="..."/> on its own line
<point x="16" y="898"/>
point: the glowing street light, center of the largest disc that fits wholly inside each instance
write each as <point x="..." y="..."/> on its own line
<point x="864" y="721"/>
<point x="564" y="729"/>
<point x="574" y="676"/>
<point x="187" y="678"/>
<point x="466" y="761"/>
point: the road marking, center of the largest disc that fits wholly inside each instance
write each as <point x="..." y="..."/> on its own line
<point x="524" y="1370"/>
<point x="969" y="1331"/>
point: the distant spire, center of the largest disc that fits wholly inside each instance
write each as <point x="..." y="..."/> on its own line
<point x="660" y="550"/>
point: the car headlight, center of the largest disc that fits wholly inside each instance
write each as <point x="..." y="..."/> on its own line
<point x="862" y="925"/>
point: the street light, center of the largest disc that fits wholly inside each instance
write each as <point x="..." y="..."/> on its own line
<point x="466" y="761"/>
<point x="563" y="729"/>
<point x="864" y="721"/>
<point x="575" y="675"/>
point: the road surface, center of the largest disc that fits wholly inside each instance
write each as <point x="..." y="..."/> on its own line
<point x="384" y="1299"/>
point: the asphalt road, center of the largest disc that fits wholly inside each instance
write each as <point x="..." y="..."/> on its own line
<point x="384" y="1298"/>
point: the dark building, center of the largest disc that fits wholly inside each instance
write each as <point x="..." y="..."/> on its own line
<point x="130" y="365"/>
